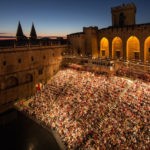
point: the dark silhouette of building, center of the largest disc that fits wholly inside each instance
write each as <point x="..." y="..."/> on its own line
<point x="33" y="35"/>
<point x="25" y="62"/>
<point x="20" y="37"/>
<point x="22" y="40"/>
<point x="19" y="34"/>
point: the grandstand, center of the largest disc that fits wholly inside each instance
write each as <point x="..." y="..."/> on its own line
<point x="93" y="111"/>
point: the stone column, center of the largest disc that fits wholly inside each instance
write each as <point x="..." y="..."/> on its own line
<point x="110" y="48"/>
<point x="124" y="48"/>
<point x="142" y="50"/>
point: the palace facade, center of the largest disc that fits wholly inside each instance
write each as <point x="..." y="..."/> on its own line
<point x="124" y="40"/>
<point x="25" y="63"/>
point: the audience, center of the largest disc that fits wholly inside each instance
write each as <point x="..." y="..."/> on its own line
<point x="132" y="73"/>
<point x="91" y="111"/>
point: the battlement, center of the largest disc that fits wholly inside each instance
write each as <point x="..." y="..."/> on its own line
<point x="91" y="28"/>
<point x="123" y="15"/>
<point x="124" y="7"/>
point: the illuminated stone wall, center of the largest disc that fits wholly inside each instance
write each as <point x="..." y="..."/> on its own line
<point x="128" y="42"/>
<point x="147" y="49"/>
<point x="132" y="39"/>
<point x="91" y="41"/>
<point x="76" y="44"/>
<point x="84" y="43"/>
<point x="22" y="68"/>
<point x="123" y="15"/>
<point x="123" y="40"/>
<point x="117" y="48"/>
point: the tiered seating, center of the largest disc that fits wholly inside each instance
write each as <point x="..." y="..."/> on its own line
<point x="94" y="111"/>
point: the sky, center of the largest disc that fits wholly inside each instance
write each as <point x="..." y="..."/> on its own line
<point x="62" y="17"/>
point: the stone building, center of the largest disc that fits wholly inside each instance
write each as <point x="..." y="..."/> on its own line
<point x="24" y="67"/>
<point x="123" y="40"/>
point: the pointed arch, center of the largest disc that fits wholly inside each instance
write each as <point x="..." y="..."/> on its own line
<point x="104" y="48"/>
<point x="133" y="48"/>
<point x="147" y="49"/>
<point x="117" y="48"/>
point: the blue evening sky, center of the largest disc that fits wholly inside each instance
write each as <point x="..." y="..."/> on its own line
<point x="62" y="17"/>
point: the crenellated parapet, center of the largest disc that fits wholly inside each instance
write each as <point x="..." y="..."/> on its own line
<point x="124" y="7"/>
<point x="123" y="15"/>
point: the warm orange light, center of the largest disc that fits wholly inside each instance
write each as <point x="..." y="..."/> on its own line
<point x="104" y="47"/>
<point x="104" y="44"/>
<point x="117" y="46"/>
<point x="147" y="49"/>
<point x="133" y="47"/>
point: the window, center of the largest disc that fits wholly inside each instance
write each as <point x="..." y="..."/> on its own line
<point x="121" y="19"/>
<point x="28" y="78"/>
<point x="40" y="71"/>
<point x="44" y="57"/>
<point x="117" y="54"/>
<point x="32" y="58"/>
<point x="4" y="63"/>
<point x="136" y="55"/>
<point x="19" y="60"/>
<point x="103" y="53"/>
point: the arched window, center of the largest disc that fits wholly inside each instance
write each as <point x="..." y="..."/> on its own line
<point x="117" y="49"/>
<point x="133" y="48"/>
<point x="147" y="49"/>
<point x="104" y="48"/>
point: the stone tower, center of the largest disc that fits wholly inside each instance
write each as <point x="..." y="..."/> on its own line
<point x="91" y="46"/>
<point x="123" y="15"/>
<point x="33" y="35"/>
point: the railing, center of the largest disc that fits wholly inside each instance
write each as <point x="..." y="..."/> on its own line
<point x="28" y="47"/>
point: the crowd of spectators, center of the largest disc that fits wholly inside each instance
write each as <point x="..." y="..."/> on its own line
<point x="133" y="73"/>
<point x="92" y="112"/>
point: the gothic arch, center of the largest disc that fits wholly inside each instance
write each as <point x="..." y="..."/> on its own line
<point x="133" y="48"/>
<point x="11" y="82"/>
<point x="147" y="49"/>
<point x="117" y="48"/>
<point x="104" y="48"/>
